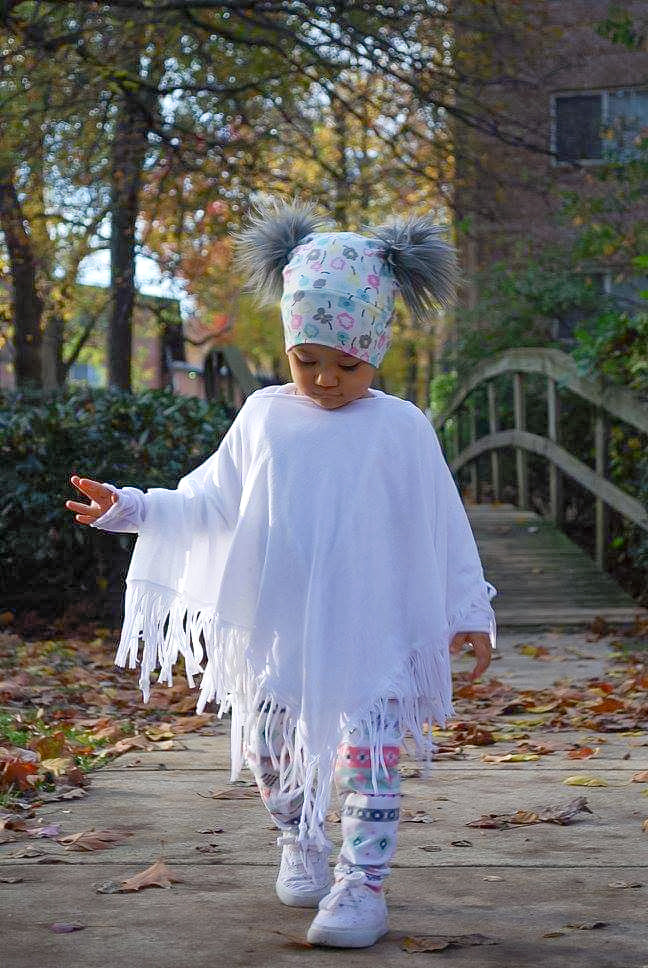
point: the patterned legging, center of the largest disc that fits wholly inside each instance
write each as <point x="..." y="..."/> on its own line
<point x="369" y="820"/>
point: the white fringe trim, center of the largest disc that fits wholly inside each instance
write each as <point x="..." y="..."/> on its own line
<point x="169" y="626"/>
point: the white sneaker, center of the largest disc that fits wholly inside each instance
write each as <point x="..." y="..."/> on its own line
<point x="352" y="915"/>
<point x="299" y="885"/>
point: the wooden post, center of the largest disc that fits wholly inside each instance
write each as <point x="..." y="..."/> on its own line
<point x="555" y="477"/>
<point x="492" y="429"/>
<point x="475" y="484"/>
<point x="456" y="444"/>
<point x="601" y="435"/>
<point x="521" y="459"/>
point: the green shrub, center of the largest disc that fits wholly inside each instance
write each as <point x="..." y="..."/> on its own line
<point x="151" y="439"/>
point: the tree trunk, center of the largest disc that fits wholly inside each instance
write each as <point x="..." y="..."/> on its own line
<point x="129" y="149"/>
<point x="26" y="303"/>
<point x="52" y="366"/>
<point x="411" y="385"/>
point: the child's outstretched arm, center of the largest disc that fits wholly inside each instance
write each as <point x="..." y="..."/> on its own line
<point x="101" y="497"/>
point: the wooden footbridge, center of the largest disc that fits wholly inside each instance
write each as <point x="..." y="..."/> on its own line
<point x="542" y="577"/>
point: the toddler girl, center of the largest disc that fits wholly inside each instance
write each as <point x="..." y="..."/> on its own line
<point x="319" y="567"/>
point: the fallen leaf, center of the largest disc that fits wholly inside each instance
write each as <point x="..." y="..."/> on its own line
<point x="159" y="733"/>
<point x="439" y="942"/>
<point x="644" y="826"/>
<point x="608" y="705"/>
<point x="50" y="830"/>
<point x="17" y="772"/>
<point x="640" y="777"/>
<point x="75" y="793"/>
<point x="93" y="839"/>
<point x="588" y="925"/>
<point x="461" y="843"/>
<point x="582" y="779"/>
<point x="62" y="927"/>
<point x="409" y="772"/>
<point x="157" y="875"/>
<point x="582" y="753"/>
<point x="293" y="941"/>
<point x="233" y="793"/>
<point x="109" y="887"/>
<point x="557" y="814"/>
<point x="510" y="757"/>
<point x="535" y="651"/>
<point x="332" y="816"/>
<point x="624" y="884"/>
<point x="27" y="851"/>
<point x="10" y="880"/>
<point x="128" y="743"/>
<point x="419" y="816"/>
<point x="554" y="934"/>
<point x="214" y="830"/>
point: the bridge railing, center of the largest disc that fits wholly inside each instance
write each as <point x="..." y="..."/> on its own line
<point x="560" y="371"/>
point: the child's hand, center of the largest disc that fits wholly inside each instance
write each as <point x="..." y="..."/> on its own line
<point x="481" y="645"/>
<point x="101" y="497"/>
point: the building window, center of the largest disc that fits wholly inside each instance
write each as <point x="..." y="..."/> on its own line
<point x="593" y="126"/>
<point x="623" y="292"/>
<point x="85" y="373"/>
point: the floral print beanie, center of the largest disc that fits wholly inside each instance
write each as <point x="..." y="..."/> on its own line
<point x="338" y="288"/>
<point x="339" y="291"/>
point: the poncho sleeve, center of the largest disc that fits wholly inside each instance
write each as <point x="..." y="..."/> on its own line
<point x="184" y="536"/>
<point x="467" y="593"/>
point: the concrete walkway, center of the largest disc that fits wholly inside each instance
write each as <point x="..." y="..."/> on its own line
<point x="536" y="890"/>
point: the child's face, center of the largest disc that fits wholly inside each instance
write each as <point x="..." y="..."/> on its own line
<point x="328" y="376"/>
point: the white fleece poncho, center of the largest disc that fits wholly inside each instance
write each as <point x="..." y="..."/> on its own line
<point x="319" y="561"/>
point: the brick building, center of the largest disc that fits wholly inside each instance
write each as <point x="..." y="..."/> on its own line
<point x="568" y="96"/>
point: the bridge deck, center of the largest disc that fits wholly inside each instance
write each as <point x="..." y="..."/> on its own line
<point x="541" y="576"/>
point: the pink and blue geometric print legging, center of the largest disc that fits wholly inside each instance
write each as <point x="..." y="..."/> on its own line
<point x="369" y="820"/>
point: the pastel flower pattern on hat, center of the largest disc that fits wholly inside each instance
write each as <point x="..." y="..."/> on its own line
<point x="339" y="291"/>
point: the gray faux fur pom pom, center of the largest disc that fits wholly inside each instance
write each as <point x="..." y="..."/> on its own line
<point x="263" y="247"/>
<point x="425" y="266"/>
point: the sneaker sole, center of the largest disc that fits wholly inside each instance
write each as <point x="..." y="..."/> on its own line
<point x="349" y="938"/>
<point x="291" y="899"/>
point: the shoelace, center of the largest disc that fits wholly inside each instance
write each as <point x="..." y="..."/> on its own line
<point x="345" y="889"/>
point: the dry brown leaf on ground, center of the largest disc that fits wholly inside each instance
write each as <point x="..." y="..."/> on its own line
<point x="126" y="744"/>
<point x="588" y="925"/>
<point x="559" y="814"/>
<point x="583" y="752"/>
<point x="292" y="941"/>
<point x="417" y="816"/>
<point x="189" y="724"/>
<point x="640" y="777"/>
<point x="93" y="839"/>
<point x="29" y="850"/>
<point x="17" y="772"/>
<point x="510" y="757"/>
<point x="644" y="826"/>
<point x="565" y="813"/>
<point x="439" y="942"/>
<point x="233" y="793"/>
<point x="157" y="875"/>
